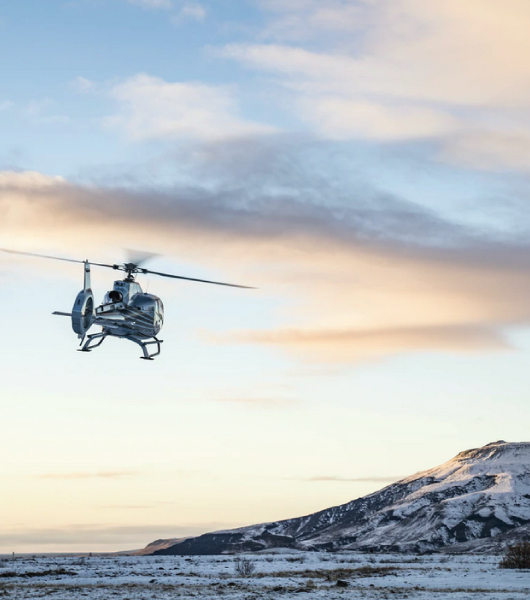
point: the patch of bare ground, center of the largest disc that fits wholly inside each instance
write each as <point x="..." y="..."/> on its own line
<point x="130" y="591"/>
<point x="26" y="574"/>
<point x="335" y="574"/>
<point x="430" y="590"/>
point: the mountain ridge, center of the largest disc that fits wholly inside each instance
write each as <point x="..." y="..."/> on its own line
<point x="477" y="501"/>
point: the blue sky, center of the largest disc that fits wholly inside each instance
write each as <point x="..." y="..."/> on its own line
<point x="363" y="163"/>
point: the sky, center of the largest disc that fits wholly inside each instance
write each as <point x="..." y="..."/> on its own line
<point x="363" y="163"/>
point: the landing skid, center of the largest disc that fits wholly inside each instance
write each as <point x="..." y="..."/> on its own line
<point x="99" y="338"/>
<point x="89" y="346"/>
<point x="143" y="345"/>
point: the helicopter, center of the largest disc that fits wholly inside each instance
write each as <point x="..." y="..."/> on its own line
<point x="127" y="312"/>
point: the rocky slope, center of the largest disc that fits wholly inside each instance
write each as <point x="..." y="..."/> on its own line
<point x="478" y="501"/>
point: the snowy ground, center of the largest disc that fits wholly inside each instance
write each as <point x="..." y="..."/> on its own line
<point x="277" y="575"/>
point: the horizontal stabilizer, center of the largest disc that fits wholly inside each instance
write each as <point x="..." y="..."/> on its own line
<point x="61" y="314"/>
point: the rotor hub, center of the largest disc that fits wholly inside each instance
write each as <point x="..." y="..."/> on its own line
<point x="131" y="269"/>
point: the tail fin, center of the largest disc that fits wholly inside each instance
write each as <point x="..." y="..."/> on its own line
<point x="87" y="282"/>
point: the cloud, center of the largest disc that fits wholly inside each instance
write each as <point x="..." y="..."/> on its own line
<point x="255" y="401"/>
<point x="38" y="112"/>
<point x="82" y="85"/>
<point x="154" y="108"/>
<point x="408" y="49"/>
<point x="129" y="506"/>
<point x="343" y="97"/>
<point x="301" y="20"/>
<point x="153" y="4"/>
<point x="340" y="118"/>
<point x="390" y="479"/>
<point x="343" y="345"/>
<point x="396" y="70"/>
<point x="98" y="535"/>
<point x="301" y="216"/>
<point x="191" y="11"/>
<point x="488" y="150"/>
<point x="36" y="108"/>
<point x="270" y="395"/>
<point x="360" y="273"/>
<point x="6" y="105"/>
<point x="96" y="475"/>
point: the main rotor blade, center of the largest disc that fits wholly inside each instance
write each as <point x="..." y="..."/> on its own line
<point x="121" y="268"/>
<point x="72" y="260"/>
<point x="115" y="267"/>
<point x="246" y="287"/>
<point x="40" y="255"/>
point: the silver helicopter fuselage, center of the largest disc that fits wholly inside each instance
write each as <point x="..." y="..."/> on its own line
<point x="126" y="312"/>
<point x="127" y="309"/>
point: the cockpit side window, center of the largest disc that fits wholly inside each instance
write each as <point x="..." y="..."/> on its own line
<point x="115" y="296"/>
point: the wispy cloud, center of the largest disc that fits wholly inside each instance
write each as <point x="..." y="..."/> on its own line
<point x="376" y="479"/>
<point x="36" y="108"/>
<point x="39" y="111"/>
<point x="392" y="275"/>
<point x="334" y="104"/>
<point x="191" y="11"/>
<point x="82" y="85"/>
<point x="90" y="535"/>
<point x="89" y="475"/>
<point x="303" y="20"/>
<point x="129" y="506"/>
<point x="154" y="108"/>
<point x="342" y="345"/>
<point x="255" y="401"/>
<point x="397" y="70"/>
<point x="153" y="4"/>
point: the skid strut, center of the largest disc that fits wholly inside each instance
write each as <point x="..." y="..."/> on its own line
<point x="143" y="345"/>
<point x="99" y="338"/>
<point x="88" y="346"/>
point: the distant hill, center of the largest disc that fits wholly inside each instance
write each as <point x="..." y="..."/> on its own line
<point x="477" y="501"/>
<point x="157" y="545"/>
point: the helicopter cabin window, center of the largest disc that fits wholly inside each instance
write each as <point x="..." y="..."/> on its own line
<point x="115" y="296"/>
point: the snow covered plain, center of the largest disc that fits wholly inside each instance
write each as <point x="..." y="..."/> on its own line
<point x="277" y="575"/>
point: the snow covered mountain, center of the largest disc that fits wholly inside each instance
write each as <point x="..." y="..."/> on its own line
<point x="477" y="501"/>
